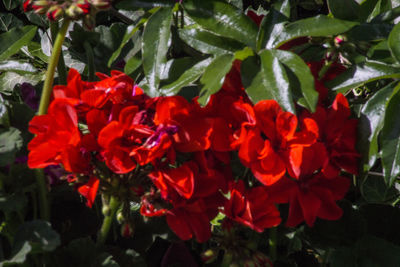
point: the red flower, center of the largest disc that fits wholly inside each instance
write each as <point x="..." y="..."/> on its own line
<point x="252" y="207"/>
<point x="338" y="133"/>
<point x="312" y="195"/>
<point x="192" y="130"/>
<point x="89" y="190"/>
<point x="58" y="139"/>
<point x="275" y="146"/>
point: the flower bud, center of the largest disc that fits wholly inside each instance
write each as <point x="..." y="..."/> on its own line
<point x="127" y="229"/>
<point x="209" y="255"/>
<point x="27" y="5"/>
<point x="73" y="12"/>
<point x="89" y="22"/>
<point x="101" y="4"/>
<point x="54" y="13"/>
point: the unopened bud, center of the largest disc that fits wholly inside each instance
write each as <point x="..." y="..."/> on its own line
<point x="209" y="256"/>
<point x="73" y="12"/>
<point x="54" y="13"/>
<point x="89" y="22"/>
<point x="27" y="5"/>
<point x="262" y="259"/>
<point x="101" y="4"/>
<point x="127" y="229"/>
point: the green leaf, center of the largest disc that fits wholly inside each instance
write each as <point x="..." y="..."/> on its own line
<point x="273" y="24"/>
<point x="130" y="32"/>
<point x="19" y="67"/>
<point x="14" y="202"/>
<point x="223" y="19"/>
<point x="318" y="26"/>
<point x="375" y="190"/>
<point x="270" y="82"/>
<point x="11" y="4"/>
<point x="8" y="80"/>
<point x="188" y="77"/>
<point x="11" y="42"/>
<point x="350" y="12"/>
<point x="394" y="41"/>
<point x="361" y="74"/>
<point x="9" y="21"/>
<point x="303" y="74"/>
<point x="209" y="43"/>
<point x="18" y="257"/>
<point x="135" y="4"/>
<point x="370" y="124"/>
<point x="369" y="32"/>
<point x="4" y="116"/>
<point x="39" y="234"/>
<point x="387" y="16"/>
<point x="10" y="143"/>
<point x="390" y="138"/>
<point x="156" y="40"/>
<point x="214" y="76"/>
<point x="132" y="64"/>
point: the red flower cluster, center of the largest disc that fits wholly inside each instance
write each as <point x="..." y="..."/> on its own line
<point x="185" y="152"/>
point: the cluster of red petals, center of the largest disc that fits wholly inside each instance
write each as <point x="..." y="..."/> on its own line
<point x="187" y="148"/>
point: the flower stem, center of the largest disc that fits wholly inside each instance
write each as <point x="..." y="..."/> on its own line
<point x="44" y="103"/>
<point x="273" y="243"/>
<point x="107" y="221"/>
<point x="61" y="69"/>
<point x="55" y="55"/>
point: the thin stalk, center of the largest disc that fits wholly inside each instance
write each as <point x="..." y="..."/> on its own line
<point x="61" y="69"/>
<point x="107" y="221"/>
<point x="44" y="103"/>
<point x="55" y="55"/>
<point x="273" y="235"/>
<point x="90" y="60"/>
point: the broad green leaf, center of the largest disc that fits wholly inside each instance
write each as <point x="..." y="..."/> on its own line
<point x="363" y="73"/>
<point x="214" y="76"/>
<point x="394" y="42"/>
<point x="18" y="257"/>
<point x="39" y="234"/>
<point x="11" y="4"/>
<point x="34" y="50"/>
<point x="390" y="139"/>
<point x="130" y="32"/>
<point x="387" y="16"/>
<point x="156" y="40"/>
<point x="370" y="124"/>
<point x="315" y="26"/>
<point x="209" y="43"/>
<point x="222" y="19"/>
<point x="375" y="190"/>
<point x="344" y="9"/>
<point x="17" y="66"/>
<point x="271" y="82"/>
<point x="273" y="24"/>
<point x="303" y="74"/>
<point x="132" y="64"/>
<point x="9" y="21"/>
<point x="10" y="143"/>
<point x="11" y="42"/>
<point x="135" y="4"/>
<point x="369" y="32"/>
<point x="8" y="80"/>
<point x="188" y="77"/>
<point x="175" y="67"/>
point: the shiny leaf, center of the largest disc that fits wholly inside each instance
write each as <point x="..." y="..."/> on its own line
<point x="271" y="82"/>
<point x="222" y="19"/>
<point x="214" y="76"/>
<point x="156" y="40"/>
<point x="394" y="41"/>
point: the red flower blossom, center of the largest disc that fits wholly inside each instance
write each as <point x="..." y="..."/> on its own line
<point x="58" y="139"/>
<point x="252" y="207"/>
<point x="338" y="133"/>
<point x="312" y="195"/>
<point x="275" y="146"/>
<point x="89" y="190"/>
<point x="192" y="130"/>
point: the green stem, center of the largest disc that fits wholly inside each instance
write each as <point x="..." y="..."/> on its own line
<point x="44" y="103"/>
<point x="42" y="190"/>
<point x="55" y="55"/>
<point x="107" y="221"/>
<point x="90" y="60"/>
<point x="273" y="234"/>
<point x="61" y="69"/>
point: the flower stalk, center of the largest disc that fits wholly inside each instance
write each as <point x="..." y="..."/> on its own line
<point x="44" y="103"/>
<point x="107" y="221"/>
